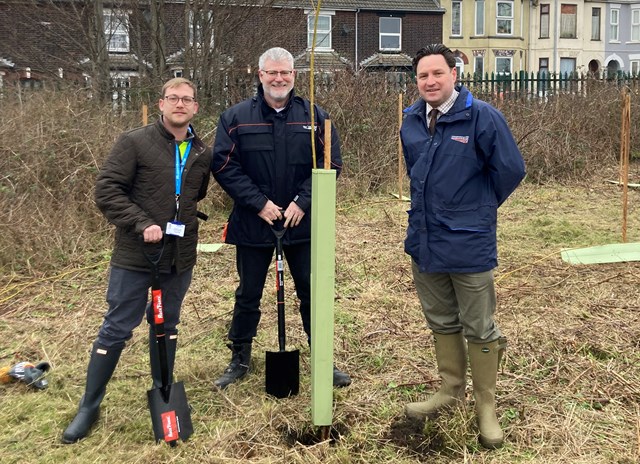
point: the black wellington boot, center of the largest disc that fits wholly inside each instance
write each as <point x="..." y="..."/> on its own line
<point x="101" y="366"/>
<point x="154" y="357"/>
<point x="238" y="367"/>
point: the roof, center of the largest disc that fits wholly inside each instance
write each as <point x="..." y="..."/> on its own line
<point x="325" y="61"/>
<point x="379" y="5"/>
<point x="387" y="60"/>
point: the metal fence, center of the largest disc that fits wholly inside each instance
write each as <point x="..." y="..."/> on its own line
<point x="524" y="85"/>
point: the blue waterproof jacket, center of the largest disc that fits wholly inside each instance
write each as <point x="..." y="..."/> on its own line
<point x="459" y="178"/>
<point x="259" y="155"/>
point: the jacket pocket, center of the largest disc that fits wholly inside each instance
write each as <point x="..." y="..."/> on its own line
<point x="255" y="138"/>
<point x="299" y="148"/>
<point x="481" y="219"/>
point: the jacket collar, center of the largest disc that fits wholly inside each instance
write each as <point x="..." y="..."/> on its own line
<point x="266" y="109"/>
<point x="464" y="101"/>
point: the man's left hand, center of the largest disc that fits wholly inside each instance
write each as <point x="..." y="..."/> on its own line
<point x="293" y="215"/>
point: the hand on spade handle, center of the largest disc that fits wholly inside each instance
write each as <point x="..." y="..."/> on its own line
<point x="272" y="212"/>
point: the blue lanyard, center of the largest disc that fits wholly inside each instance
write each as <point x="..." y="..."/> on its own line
<point x="180" y="163"/>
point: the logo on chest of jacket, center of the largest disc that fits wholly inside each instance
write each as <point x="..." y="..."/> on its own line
<point x="460" y="138"/>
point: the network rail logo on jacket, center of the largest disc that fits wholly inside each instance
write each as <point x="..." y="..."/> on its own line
<point x="460" y="138"/>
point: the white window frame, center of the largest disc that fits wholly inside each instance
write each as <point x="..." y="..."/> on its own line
<point x="572" y="34"/>
<point x="456" y="22"/>
<point x="459" y="66"/>
<point x="596" y="26"/>
<point x="505" y="19"/>
<point x="381" y="35"/>
<point x="323" y="36"/>
<point x="479" y="19"/>
<point x="116" y="24"/>
<point x="196" y="28"/>
<point x="614" y="25"/>
<point x="635" y="25"/>
<point x="510" y="58"/>
<point x="634" y="67"/>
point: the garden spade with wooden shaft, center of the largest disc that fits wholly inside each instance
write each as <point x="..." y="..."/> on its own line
<point x="282" y="368"/>
<point x="170" y="413"/>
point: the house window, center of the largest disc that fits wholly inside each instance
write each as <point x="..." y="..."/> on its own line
<point x="568" y="21"/>
<point x="614" y="23"/>
<point x="116" y="30"/>
<point x="323" y="31"/>
<point x="544" y="21"/>
<point x="635" y="25"/>
<point x="567" y="66"/>
<point x="459" y="66"/>
<point x="390" y="33"/>
<point x="505" y="18"/>
<point x="456" y="15"/>
<point x="479" y="17"/>
<point x="635" y="67"/>
<point x="478" y="66"/>
<point x="595" y="23"/>
<point x="543" y="65"/>
<point x="200" y="28"/>
<point x="503" y="65"/>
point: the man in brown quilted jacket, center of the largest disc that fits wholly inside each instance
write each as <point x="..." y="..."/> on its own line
<point x="148" y="187"/>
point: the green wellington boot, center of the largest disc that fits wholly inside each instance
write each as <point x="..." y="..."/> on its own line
<point x="484" y="359"/>
<point x="451" y="356"/>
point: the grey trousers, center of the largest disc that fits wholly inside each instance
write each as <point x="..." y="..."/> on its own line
<point x="458" y="302"/>
<point x="128" y="298"/>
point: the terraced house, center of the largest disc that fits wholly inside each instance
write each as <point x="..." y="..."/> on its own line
<point x="556" y="36"/>
<point x="488" y="36"/>
<point x="210" y="41"/>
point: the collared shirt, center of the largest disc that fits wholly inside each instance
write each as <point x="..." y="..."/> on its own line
<point x="445" y="107"/>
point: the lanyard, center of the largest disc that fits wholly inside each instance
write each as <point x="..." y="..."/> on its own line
<point x="180" y="163"/>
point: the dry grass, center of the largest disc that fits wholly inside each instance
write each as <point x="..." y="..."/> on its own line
<point x="569" y="391"/>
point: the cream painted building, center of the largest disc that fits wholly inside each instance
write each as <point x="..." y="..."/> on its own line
<point x="567" y="36"/>
<point x="488" y="36"/>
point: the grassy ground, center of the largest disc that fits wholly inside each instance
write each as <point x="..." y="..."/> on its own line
<point x="569" y="391"/>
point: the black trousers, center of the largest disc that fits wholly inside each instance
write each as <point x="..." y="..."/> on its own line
<point x="253" y="265"/>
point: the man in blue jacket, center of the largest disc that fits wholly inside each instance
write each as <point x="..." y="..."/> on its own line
<point x="463" y="163"/>
<point x="262" y="158"/>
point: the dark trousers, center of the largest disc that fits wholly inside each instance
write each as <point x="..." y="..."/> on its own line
<point x="128" y="298"/>
<point x="253" y="265"/>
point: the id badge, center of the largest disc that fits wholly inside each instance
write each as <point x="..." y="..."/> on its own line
<point x="175" y="228"/>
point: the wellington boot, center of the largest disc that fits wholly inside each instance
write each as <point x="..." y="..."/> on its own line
<point x="340" y="378"/>
<point x="238" y="367"/>
<point x="483" y="358"/>
<point x="101" y="366"/>
<point x="154" y="357"/>
<point x="451" y="357"/>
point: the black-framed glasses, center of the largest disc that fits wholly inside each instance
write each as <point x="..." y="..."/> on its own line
<point x="272" y="73"/>
<point x="174" y="99"/>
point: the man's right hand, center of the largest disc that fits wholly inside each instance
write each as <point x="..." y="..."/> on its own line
<point x="270" y="212"/>
<point x="152" y="234"/>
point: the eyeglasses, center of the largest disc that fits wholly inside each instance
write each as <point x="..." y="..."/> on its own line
<point x="276" y="73"/>
<point x="174" y="99"/>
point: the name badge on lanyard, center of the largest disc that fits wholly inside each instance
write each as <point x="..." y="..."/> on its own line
<point x="175" y="227"/>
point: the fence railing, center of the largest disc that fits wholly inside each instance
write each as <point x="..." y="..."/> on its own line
<point x="544" y="84"/>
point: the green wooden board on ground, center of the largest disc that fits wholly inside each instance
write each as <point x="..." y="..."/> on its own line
<point x="209" y="247"/>
<point x="612" y="253"/>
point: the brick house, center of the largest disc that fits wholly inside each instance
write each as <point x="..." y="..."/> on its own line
<point x="51" y="40"/>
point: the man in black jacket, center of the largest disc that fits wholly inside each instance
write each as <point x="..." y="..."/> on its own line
<point x="148" y="187"/>
<point x="262" y="158"/>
